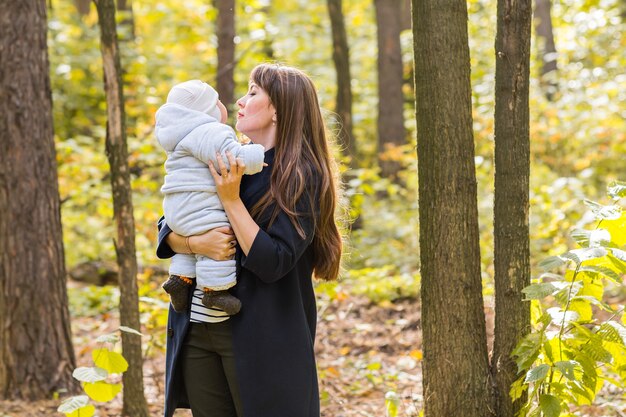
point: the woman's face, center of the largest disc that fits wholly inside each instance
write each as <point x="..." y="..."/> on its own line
<point x="256" y="115"/>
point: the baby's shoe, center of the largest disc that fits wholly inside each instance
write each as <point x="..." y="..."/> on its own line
<point x="178" y="286"/>
<point x="222" y="300"/>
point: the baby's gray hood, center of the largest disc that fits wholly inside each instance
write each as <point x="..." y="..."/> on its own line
<point x="174" y="122"/>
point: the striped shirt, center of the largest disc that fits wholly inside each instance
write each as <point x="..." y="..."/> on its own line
<point x="201" y="314"/>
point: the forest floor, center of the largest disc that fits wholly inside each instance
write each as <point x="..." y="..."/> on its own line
<point x="365" y="351"/>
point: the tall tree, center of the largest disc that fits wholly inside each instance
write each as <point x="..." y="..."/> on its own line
<point x="456" y="364"/>
<point x="341" y="58"/>
<point x="391" y="131"/>
<point x="36" y="353"/>
<point x="125" y="7"/>
<point x="117" y="152"/>
<point x="547" y="48"/>
<point x="82" y="6"/>
<point x="512" y="172"/>
<point x="226" y="51"/>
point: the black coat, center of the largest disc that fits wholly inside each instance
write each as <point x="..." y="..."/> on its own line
<point x="274" y="332"/>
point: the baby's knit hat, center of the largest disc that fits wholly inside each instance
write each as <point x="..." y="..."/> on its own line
<point x="196" y="95"/>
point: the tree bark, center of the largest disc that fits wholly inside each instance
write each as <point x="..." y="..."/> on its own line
<point x="36" y="353"/>
<point x="391" y="132"/>
<point x="117" y="154"/>
<point x="82" y="6"/>
<point x="456" y="365"/>
<point x="512" y="172"/>
<point x="226" y="51"/>
<point x="341" y="58"/>
<point x="125" y="7"/>
<point x="547" y="48"/>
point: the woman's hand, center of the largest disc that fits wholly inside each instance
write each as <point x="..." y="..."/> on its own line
<point x="218" y="244"/>
<point x="228" y="182"/>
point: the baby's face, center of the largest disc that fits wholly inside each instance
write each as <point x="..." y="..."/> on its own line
<point x="223" y="111"/>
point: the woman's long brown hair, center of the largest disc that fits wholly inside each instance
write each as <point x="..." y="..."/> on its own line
<point x="301" y="154"/>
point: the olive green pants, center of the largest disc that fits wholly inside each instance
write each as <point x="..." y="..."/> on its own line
<point x="208" y="366"/>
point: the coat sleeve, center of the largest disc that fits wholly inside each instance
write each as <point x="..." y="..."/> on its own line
<point x="163" y="249"/>
<point x="276" y="251"/>
<point x="222" y="139"/>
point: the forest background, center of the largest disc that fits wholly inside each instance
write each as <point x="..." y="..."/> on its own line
<point x="577" y="130"/>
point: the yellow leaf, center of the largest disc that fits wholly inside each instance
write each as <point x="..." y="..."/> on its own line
<point x="86" y="411"/>
<point x="416" y="354"/>
<point x="111" y="361"/>
<point x="617" y="229"/>
<point x="583" y="308"/>
<point x="102" y="391"/>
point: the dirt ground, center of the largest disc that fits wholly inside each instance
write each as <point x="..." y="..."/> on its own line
<point x="363" y="351"/>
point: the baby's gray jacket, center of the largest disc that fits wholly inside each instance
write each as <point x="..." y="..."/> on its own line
<point x="192" y="139"/>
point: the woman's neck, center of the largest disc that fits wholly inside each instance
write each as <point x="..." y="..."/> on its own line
<point x="266" y="138"/>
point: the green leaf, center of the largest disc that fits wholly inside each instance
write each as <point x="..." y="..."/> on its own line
<point x="612" y="331"/>
<point x="73" y="403"/>
<point x="581" y="236"/>
<point x="108" y="338"/>
<point x="130" y="330"/>
<point x="568" y="291"/>
<point x="604" y="212"/>
<point x="102" y="391"/>
<point x="537" y="373"/>
<point x="517" y="389"/>
<point x="599" y="238"/>
<point x="527" y="350"/>
<point x="618" y="259"/>
<point x="604" y="271"/>
<point x="551" y="262"/>
<point x="568" y="368"/>
<point x="550" y="405"/>
<point x="111" y="361"/>
<point x="595" y="351"/>
<point x="585" y="254"/>
<point x="90" y="374"/>
<point x="617" y="189"/>
<point x="539" y="291"/>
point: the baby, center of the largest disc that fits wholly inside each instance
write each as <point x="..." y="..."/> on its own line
<point x="191" y="129"/>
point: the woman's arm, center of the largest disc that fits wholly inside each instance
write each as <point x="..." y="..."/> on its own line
<point x="228" y="184"/>
<point x="272" y="253"/>
<point x="218" y="244"/>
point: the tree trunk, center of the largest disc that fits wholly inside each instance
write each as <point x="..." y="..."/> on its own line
<point x="82" y="6"/>
<point x="226" y="51"/>
<point x="547" y="48"/>
<point x="36" y="353"/>
<point x="456" y="365"/>
<point x="117" y="153"/>
<point x="341" y="58"/>
<point x="512" y="171"/>
<point x="391" y="130"/>
<point x="405" y="15"/>
<point x="125" y="8"/>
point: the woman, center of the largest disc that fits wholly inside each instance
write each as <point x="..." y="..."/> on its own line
<point x="260" y="362"/>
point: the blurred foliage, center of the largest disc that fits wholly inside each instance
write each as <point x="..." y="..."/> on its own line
<point x="577" y="139"/>
<point x="578" y="343"/>
<point x="98" y="381"/>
